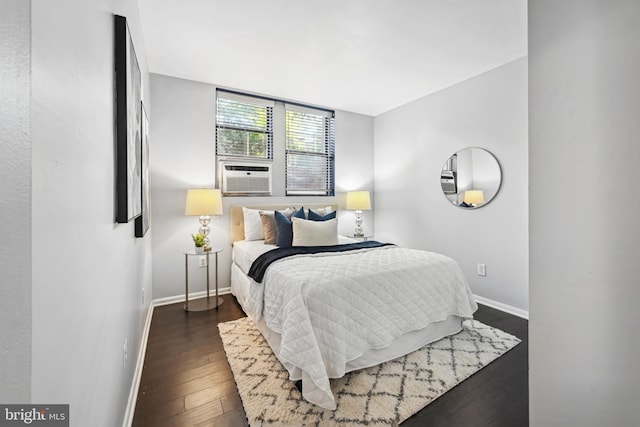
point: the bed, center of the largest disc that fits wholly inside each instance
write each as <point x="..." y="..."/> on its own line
<point x="328" y="313"/>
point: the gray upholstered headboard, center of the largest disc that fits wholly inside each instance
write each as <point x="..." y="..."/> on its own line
<point x="237" y="220"/>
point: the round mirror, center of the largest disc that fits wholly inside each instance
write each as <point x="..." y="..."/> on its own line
<point x="471" y="178"/>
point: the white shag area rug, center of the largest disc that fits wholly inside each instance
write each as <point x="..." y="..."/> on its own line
<point x="386" y="394"/>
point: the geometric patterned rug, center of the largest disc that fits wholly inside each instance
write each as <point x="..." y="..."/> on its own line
<point x="386" y="394"/>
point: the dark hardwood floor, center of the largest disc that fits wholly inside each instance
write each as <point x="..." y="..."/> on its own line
<point x="187" y="381"/>
<point x="497" y="395"/>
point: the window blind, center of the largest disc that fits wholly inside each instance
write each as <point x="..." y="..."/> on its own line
<point x="310" y="151"/>
<point x="451" y="164"/>
<point x="244" y="126"/>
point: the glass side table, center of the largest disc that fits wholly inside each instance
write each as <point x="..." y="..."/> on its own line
<point x="207" y="303"/>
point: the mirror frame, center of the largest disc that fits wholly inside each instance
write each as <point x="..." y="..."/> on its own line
<point x="457" y="184"/>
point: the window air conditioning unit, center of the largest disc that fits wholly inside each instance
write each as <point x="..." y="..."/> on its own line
<point x="448" y="182"/>
<point x="246" y="178"/>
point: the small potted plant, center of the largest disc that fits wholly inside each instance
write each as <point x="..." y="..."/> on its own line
<point x="198" y="240"/>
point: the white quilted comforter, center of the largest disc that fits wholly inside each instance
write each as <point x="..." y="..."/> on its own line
<point x="331" y="308"/>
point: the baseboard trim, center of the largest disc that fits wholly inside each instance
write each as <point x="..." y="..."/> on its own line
<point x="137" y="373"/>
<point x="502" y="307"/>
<point x="180" y="298"/>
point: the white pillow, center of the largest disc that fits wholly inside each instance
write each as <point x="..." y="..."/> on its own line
<point x="314" y="233"/>
<point x="252" y="224"/>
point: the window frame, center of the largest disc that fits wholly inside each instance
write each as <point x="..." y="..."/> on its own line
<point x="277" y="150"/>
<point x="327" y="154"/>
<point x="251" y="101"/>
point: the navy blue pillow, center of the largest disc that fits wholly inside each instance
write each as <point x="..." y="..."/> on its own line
<point x="315" y="216"/>
<point x="284" y="228"/>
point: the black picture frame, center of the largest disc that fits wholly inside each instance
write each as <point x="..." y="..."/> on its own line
<point x="142" y="221"/>
<point x="128" y="140"/>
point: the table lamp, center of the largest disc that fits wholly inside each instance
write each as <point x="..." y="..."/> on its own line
<point x="473" y="197"/>
<point x="358" y="201"/>
<point x="204" y="202"/>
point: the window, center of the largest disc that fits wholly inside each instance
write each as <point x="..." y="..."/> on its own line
<point x="244" y="126"/>
<point x="310" y="151"/>
<point x="303" y="155"/>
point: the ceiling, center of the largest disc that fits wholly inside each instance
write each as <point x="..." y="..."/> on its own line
<point x="363" y="56"/>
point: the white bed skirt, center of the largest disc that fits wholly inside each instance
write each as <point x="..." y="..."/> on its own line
<point x="405" y="344"/>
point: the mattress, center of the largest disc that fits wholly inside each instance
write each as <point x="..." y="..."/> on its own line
<point x="245" y="252"/>
<point x="346" y="351"/>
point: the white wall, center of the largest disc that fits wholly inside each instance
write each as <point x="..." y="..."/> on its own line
<point x="584" y="152"/>
<point x="15" y="202"/>
<point x="411" y="145"/>
<point x="88" y="271"/>
<point x="182" y="138"/>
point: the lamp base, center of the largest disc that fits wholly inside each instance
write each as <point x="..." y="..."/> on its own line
<point x="204" y="228"/>
<point x="358" y="231"/>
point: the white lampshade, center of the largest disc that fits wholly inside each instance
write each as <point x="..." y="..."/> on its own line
<point x="358" y="201"/>
<point x="203" y="201"/>
<point x="473" y="197"/>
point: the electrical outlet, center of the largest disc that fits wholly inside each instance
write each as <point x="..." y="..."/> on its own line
<point x="125" y="356"/>
<point x="202" y="262"/>
<point x="482" y="270"/>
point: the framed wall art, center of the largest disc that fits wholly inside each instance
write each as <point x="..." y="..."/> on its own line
<point x="128" y="96"/>
<point x="142" y="221"/>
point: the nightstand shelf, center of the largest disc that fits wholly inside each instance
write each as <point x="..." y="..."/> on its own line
<point x="208" y="302"/>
